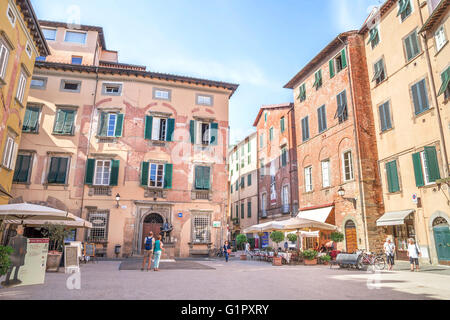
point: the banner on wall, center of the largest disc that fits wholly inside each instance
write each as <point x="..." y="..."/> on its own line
<point x="265" y="240"/>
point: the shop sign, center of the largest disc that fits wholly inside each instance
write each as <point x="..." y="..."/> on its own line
<point x="216" y="224"/>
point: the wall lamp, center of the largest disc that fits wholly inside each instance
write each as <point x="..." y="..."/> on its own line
<point x="341" y="193"/>
<point x="117" y="199"/>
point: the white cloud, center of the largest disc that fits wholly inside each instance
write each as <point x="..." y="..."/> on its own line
<point x="350" y="13"/>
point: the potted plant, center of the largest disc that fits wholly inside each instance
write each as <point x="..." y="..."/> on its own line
<point x="310" y="257"/>
<point x="277" y="237"/>
<point x="241" y="240"/>
<point x="292" y="237"/>
<point x="5" y="261"/>
<point x="337" y="237"/>
<point x="324" y="259"/>
<point x="56" y="234"/>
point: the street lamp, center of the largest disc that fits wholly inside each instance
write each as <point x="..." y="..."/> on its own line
<point x="341" y="193"/>
<point x="117" y="199"/>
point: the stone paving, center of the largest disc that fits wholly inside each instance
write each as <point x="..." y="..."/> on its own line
<point x="236" y="280"/>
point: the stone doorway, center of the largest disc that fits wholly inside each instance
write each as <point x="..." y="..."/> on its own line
<point x="152" y="222"/>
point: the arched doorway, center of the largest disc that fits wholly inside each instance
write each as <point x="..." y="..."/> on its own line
<point x="441" y="232"/>
<point x="350" y="236"/>
<point x="152" y="222"/>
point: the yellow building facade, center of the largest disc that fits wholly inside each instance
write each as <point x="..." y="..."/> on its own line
<point x="21" y="41"/>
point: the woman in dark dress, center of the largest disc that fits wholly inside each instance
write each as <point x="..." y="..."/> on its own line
<point x="226" y="250"/>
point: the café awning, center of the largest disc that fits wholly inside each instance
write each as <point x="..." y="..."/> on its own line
<point x="78" y="223"/>
<point x="393" y="218"/>
<point x="320" y="214"/>
<point x="28" y="211"/>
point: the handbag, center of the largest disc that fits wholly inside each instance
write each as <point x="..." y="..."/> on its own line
<point x="228" y="251"/>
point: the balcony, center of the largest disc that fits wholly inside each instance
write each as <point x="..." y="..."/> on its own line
<point x="100" y="191"/>
<point x="285" y="208"/>
<point x="263" y="214"/>
<point x="155" y="193"/>
<point x="201" y="195"/>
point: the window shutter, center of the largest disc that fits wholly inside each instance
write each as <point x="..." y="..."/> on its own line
<point x="192" y="130"/>
<point x="103" y="128"/>
<point x="344" y="59"/>
<point x="90" y="167"/>
<point x="53" y="170"/>
<point x="214" y="131"/>
<point x="282" y="124"/>
<point x="144" y="173"/>
<point x="445" y="76"/>
<point x="148" y="127"/>
<point x="59" y="124"/>
<point x="114" y="179"/>
<point x="170" y="129"/>
<point x="433" y="164"/>
<point x="207" y="178"/>
<point x="418" y="170"/>
<point x="168" y="169"/>
<point x="249" y="209"/>
<point x="392" y="176"/>
<point x="34" y="117"/>
<point x="119" y="125"/>
<point x="26" y="120"/>
<point x="231" y="189"/>
<point x="62" y="170"/>
<point x="331" y="63"/>
<point x="198" y="177"/>
<point x="68" y="122"/>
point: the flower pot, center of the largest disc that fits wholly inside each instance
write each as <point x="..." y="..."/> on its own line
<point x="277" y="261"/>
<point x="53" y="261"/>
<point x="243" y="257"/>
<point x="310" y="262"/>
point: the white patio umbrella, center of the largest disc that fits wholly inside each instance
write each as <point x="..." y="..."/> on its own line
<point x="301" y="223"/>
<point x="262" y="227"/>
<point x="27" y="211"/>
<point x="78" y="223"/>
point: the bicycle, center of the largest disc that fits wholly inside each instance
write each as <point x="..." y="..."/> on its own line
<point x="377" y="261"/>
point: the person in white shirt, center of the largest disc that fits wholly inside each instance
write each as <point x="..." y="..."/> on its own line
<point x="413" y="254"/>
<point x="247" y="248"/>
<point x="389" y="250"/>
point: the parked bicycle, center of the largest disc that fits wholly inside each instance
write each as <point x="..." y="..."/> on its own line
<point x="366" y="259"/>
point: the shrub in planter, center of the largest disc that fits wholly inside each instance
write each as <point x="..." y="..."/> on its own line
<point x="277" y="237"/>
<point x="241" y="239"/>
<point x="5" y="261"/>
<point x="337" y="237"/>
<point x="324" y="259"/>
<point x="292" y="237"/>
<point x="310" y="254"/>
<point x="56" y="234"/>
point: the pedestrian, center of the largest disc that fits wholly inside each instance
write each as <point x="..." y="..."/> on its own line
<point x="157" y="253"/>
<point x="414" y="254"/>
<point x="148" y="251"/>
<point x="389" y="249"/>
<point x="226" y="250"/>
<point x="19" y="244"/>
<point x="247" y="248"/>
<point x="286" y="246"/>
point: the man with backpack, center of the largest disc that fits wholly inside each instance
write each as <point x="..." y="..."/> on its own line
<point x="148" y="251"/>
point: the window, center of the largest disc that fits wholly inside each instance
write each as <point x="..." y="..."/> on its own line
<point x="440" y="38"/>
<point x="249" y="209"/>
<point x="374" y="37"/>
<point x="326" y="173"/>
<point x="202" y="178"/>
<point x="261" y="141"/>
<point x="102" y="172"/>
<point x="4" y="56"/>
<point x="412" y="46"/>
<point x="58" y="170"/>
<point x="77" y="60"/>
<point x="242" y="210"/>
<point x="249" y="180"/>
<point x="282" y="125"/>
<point x="99" y="231"/>
<point x="111" y="124"/>
<point x="385" y="116"/>
<point x="159" y="129"/>
<point x="49" y="34"/>
<point x="420" y="97"/>
<point x="38" y="83"/>
<point x="112" y="89"/>
<point x="231" y="188"/>
<point x="201" y="232"/>
<point x="237" y="211"/>
<point x="28" y="50"/>
<point x="285" y="199"/>
<point x="162" y="94"/>
<point x="308" y="179"/>
<point x="347" y="165"/>
<point x="31" y="120"/>
<point x="322" y="118"/>
<point x="70" y="86"/>
<point x="249" y="148"/>
<point x="284" y="157"/>
<point x="11" y="15"/>
<point x="338" y="63"/>
<point x="204" y="133"/>
<point x="445" y="87"/>
<point x="261" y="166"/>
<point x="392" y="177"/>
<point x="249" y="159"/>
<point x="404" y="9"/>
<point x="75" y="37"/>
<point x="23" y="168"/>
<point x="204" y="129"/>
<point x="9" y="153"/>
<point x="265" y="116"/>
<point x="21" y="87"/>
<point x="242" y="182"/>
<point x="342" y="112"/>
<point x="242" y="162"/>
<point x="302" y="92"/>
<point x="426" y="166"/>
<point x="305" y="129"/>
<point x="264" y="204"/>
<point x="318" y="79"/>
<point x="271" y="134"/>
<point x="204" y="100"/>
<point x="64" y="122"/>
<point x="379" y="73"/>
<point x="156" y="176"/>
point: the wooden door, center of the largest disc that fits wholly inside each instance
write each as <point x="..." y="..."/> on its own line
<point x="152" y="222"/>
<point x="350" y="237"/>
<point x="442" y="243"/>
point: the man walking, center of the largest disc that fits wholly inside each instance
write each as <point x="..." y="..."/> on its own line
<point x="389" y="249"/>
<point x="19" y="244"/>
<point x="148" y="251"/>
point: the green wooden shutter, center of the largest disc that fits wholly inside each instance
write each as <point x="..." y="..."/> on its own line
<point x="103" y="128"/>
<point x="433" y="164"/>
<point x="249" y="209"/>
<point x="249" y="180"/>
<point x="53" y="170"/>
<point x="242" y="210"/>
<point x="26" y="121"/>
<point x="445" y="76"/>
<point x="207" y="178"/>
<point x="282" y="124"/>
<point x="34" y="117"/>
<point x="214" y="133"/>
<point x="90" y="167"/>
<point x="144" y="173"/>
<point x="62" y="170"/>
<point x="119" y="125"/>
<point x="392" y="176"/>
<point x="331" y="63"/>
<point x="192" y="130"/>
<point x="68" y="121"/>
<point x="168" y="169"/>
<point x="418" y="170"/>
<point x="344" y="59"/>
<point x="148" y="127"/>
<point x="114" y="179"/>
<point x="59" y="122"/>
<point x="170" y="129"/>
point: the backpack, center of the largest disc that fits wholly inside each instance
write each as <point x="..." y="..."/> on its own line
<point x="148" y="243"/>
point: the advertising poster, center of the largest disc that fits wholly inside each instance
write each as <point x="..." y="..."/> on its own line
<point x="265" y="240"/>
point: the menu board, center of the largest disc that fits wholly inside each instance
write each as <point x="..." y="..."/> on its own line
<point x="71" y="257"/>
<point x="33" y="271"/>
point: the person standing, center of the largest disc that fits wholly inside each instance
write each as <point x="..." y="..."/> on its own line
<point x="19" y="244"/>
<point x="226" y="250"/>
<point x="157" y="253"/>
<point x="389" y="249"/>
<point x="247" y="248"/>
<point x="148" y="251"/>
<point x="286" y="246"/>
<point x="414" y="254"/>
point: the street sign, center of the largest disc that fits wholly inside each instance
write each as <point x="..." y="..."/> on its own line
<point x="216" y="224"/>
<point x="414" y="198"/>
<point x="180" y="215"/>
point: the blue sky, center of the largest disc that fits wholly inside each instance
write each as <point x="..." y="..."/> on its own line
<point x="260" y="45"/>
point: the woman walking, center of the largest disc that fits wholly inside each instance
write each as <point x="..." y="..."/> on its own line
<point x="157" y="253"/>
<point x="226" y="250"/>
<point x="389" y="249"/>
<point x="414" y="254"/>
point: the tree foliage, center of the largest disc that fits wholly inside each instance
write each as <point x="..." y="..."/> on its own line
<point x="337" y="236"/>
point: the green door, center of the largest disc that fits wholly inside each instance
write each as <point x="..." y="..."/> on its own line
<point x="442" y="241"/>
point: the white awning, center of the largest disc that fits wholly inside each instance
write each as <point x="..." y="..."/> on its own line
<point x="393" y="218"/>
<point x="320" y="215"/>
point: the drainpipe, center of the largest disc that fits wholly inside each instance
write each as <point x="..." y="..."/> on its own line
<point x="358" y="153"/>
<point x="291" y="127"/>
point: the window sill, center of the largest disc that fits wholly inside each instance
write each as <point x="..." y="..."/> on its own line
<point x="413" y="59"/>
<point x="2" y="82"/>
<point x="394" y="193"/>
<point x="46" y="185"/>
<point x="19" y="102"/>
<point x="380" y="83"/>
<point x="22" y="183"/>
<point x="6" y="168"/>
<point x="31" y="132"/>
<point x="308" y="192"/>
<point x="423" y="113"/>
<point x="63" y="134"/>
<point x="386" y="131"/>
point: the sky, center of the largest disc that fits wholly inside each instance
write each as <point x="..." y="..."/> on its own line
<point x="259" y="45"/>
